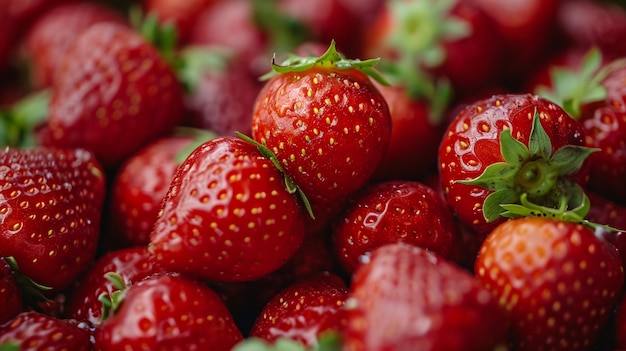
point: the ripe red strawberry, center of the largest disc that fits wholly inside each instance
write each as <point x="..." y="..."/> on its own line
<point x="49" y="38"/>
<point x="594" y="92"/>
<point x="587" y="24"/>
<point x="327" y="124"/>
<point x="390" y="212"/>
<point x="557" y="279"/>
<point x="220" y="94"/>
<point x="140" y="185"/>
<point x="620" y="325"/>
<point x="181" y="14"/>
<point x="406" y="298"/>
<point x="416" y="125"/>
<point x="10" y="293"/>
<point x="31" y="331"/>
<point x="303" y="311"/>
<point x="130" y="264"/>
<point x="454" y="40"/>
<point x="113" y="94"/>
<point x="501" y="149"/>
<point x="528" y="30"/>
<point x="227" y="215"/>
<point x="168" y="312"/>
<point x="50" y="209"/>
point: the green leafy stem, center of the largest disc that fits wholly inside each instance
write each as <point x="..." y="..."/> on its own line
<point x="290" y="184"/>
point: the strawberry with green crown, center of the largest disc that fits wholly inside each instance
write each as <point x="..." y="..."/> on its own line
<point x="513" y="149"/>
<point x="326" y="123"/>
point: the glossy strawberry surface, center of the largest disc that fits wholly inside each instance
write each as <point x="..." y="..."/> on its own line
<point x="169" y="313"/>
<point x="113" y="93"/>
<point x="227" y="215"/>
<point x="472" y="143"/>
<point x="50" y="210"/>
<point x="558" y="280"/>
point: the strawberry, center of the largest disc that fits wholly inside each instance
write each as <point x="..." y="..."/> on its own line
<point x="416" y="125"/>
<point x="557" y="279"/>
<point x="140" y="185"/>
<point x="113" y="94"/>
<point x="453" y="40"/>
<point x="325" y="20"/>
<point x="528" y="32"/>
<point x="49" y="38"/>
<point x="512" y="148"/>
<point x="594" y="93"/>
<point x="50" y="209"/>
<point x="303" y="311"/>
<point x="620" y="325"/>
<point x="10" y="293"/>
<point x="326" y="123"/>
<point x="168" y="312"/>
<point x="31" y="331"/>
<point x="586" y="24"/>
<point x="220" y="98"/>
<point x="130" y="264"/>
<point x="406" y="298"/>
<point x="227" y="215"/>
<point x="390" y="212"/>
<point x="181" y="14"/>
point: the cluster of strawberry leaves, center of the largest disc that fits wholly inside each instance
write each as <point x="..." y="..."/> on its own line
<point x="530" y="175"/>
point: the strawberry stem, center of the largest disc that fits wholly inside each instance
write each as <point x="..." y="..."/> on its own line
<point x="331" y="59"/>
<point x="290" y="184"/>
<point x="112" y="301"/>
<point x="532" y="172"/>
<point x="32" y="292"/>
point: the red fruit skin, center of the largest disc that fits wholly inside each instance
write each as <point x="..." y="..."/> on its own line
<point x="527" y="29"/>
<point x="329" y="129"/>
<point x="589" y="24"/>
<point x="50" y="209"/>
<point x="547" y="274"/>
<point x="227" y="215"/>
<point x="113" y="94"/>
<point x="620" y="325"/>
<point x="10" y="293"/>
<point x="131" y="264"/>
<point x="48" y="40"/>
<point x="412" y="150"/>
<point x="326" y="20"/>
<point x="471" y="143"/>
<point x="481" y="48"/>
<point x="303" y="311"/>
<point x="138" y="191"/>
<point x="606" y="212"/>
<point x="223" y="100"/>
<point x="605" y="128"/>
<point x="182" y="14"/>
<point x="33" y="331"/>
<point x="169" y="313"/>
<point x="390" y="212"/>
<point x="230" y="24"/>
<point x="406" y="298"/>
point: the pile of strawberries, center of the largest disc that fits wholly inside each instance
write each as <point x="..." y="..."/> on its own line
<point x="312" y="175"/>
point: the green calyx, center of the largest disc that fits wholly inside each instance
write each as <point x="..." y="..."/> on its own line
<point x="32" y="292"/>
<point x="533" y="175"/>
<point x="112" y="301"/>
<point x="421" y="28"/>
<point x="573" y="88"/>
<point x="9" y="347"/>
<point x="329" y="60"/>
<point x="290" y="184"/>
<point x="328" y="341"/>
<point x="19" y="121"/>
